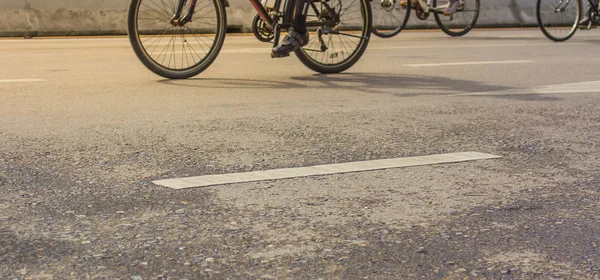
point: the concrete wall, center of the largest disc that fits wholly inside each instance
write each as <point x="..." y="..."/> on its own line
<point x="108" y="17"/>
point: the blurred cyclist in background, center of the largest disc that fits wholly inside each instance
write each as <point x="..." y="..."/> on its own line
<point x="449" y="9"/>
<point x="585" y="21"/>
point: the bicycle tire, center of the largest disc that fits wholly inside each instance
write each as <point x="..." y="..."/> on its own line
<point x="308" y="54"/>
<point x="467" y="18"/>
<point x="146" y="41"/>
<point x="378" y="7"/>
<point x="548" y="29"/>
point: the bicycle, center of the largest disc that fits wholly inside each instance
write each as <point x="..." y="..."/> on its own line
<point x="178" y="39"/>
<point x="559" y="19"/>
<point x="391" y="16"/>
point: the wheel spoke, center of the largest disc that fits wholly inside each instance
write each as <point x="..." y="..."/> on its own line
<point x="176" y="50"/>
<point x="346" y="36"/>
<point x="558" y="25"/>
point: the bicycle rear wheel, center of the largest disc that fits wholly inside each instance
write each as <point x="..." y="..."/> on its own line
<point x="339" y="33"/>
<point x="389" y="17"/>
<point x="462" y="21"/>
<point x="172" y="50"/>
<point x="558" y="19"/>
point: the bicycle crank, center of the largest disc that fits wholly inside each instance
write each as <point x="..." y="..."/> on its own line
<point x="421" y="13"/>
<point x="261" y="30"/>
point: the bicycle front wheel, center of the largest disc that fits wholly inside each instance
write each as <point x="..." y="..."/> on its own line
<point x="389" y="17"/>
<point x="462" y="21"/>
<point x="558" y="19"/>
<point x="339" y="33"/>
<point x="173" y="48"/>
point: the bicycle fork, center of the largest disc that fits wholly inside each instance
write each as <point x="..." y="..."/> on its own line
<point x="177" y="19"/>
<point x="560" y="7"/>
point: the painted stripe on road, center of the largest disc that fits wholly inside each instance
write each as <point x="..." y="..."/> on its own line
<point x="583" y="87"/>
<point x="469" y="63"/>
<point x="22" y="80"/>
<point x="440" y="46"/>
<point x="445" y="46"/>
<point x="328" y="169"/>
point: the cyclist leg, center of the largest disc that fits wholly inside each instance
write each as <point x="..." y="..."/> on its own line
<point x="585" y="20"/>
<point x="297" y="34"/>
<point x="451" y="9"/>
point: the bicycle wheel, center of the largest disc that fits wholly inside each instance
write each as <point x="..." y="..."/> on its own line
<point x="389" y="17"/>
<point x="463" y="19"/>
<point x="339" y="33"/>
<point x="171" y="49"/>
<point x="558" y="19"/>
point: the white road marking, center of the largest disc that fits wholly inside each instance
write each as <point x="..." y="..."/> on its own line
<point x="64" y="39"/>
<point x="445" y="46"/>
<point x="177" y="54"/>
<point x="583" y="87"/>
<point x="22" y="80"/>
<point x="469" y="63"/>
<point x="328" y="169"/>
<point x="440" y="46"/>
<point x="267" y="48"/>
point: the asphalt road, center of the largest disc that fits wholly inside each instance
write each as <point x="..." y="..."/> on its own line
<point x="85" y="135"/>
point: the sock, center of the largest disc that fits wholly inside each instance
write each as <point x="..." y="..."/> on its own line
<point x="299" y="22"/>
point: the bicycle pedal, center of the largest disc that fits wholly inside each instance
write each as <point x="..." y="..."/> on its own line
<point x="587" y="26"/>
<point x="274" y="55"/>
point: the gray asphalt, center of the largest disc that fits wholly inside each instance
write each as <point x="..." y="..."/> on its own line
<point x="80" y="150"/>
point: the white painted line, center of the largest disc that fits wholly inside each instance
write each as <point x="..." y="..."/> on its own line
<point x="284" y="173"/>
<point x="267" y="50"/>
<point x="583" y="87"/>
<point x="469" y="63"/>
<point x="64" y="39"/>
<point x="445" y="46"/>
<point x="177" y="54"/>
<point x="21" y="80"/>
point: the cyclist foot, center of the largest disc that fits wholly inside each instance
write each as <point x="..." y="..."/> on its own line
<point x="585" y="23"/>
<point x="451" y="9"/>
<point x="291" y="42"/>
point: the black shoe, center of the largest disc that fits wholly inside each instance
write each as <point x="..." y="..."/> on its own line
<point x="585" y="23"/>
<point x="291" y="42"/>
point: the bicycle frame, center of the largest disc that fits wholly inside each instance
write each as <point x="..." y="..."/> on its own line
<point x="594" y="8"/>
<point x="560" y="7"/>
<point x="263" y="13"/>
<point x="191" y="33"/>
<point x="269" y="17"/>
<point x="180" y="19"/>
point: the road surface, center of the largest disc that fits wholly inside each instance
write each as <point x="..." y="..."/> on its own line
<point x="86" y="132"/>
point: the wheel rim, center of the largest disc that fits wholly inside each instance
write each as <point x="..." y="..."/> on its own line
<point x="347" y="37"/>
<point x="177" y="48"/>
<point x="462" y="20"/>
<point x="388" y="15"/>
<point x="558" y="23"/>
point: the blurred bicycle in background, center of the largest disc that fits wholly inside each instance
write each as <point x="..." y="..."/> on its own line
<point x="391" y="16"/>
<point x="560" y="19"/>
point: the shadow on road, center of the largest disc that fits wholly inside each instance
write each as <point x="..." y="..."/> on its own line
<point x="19" y="252"/>
<point x="399" y="85"/>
